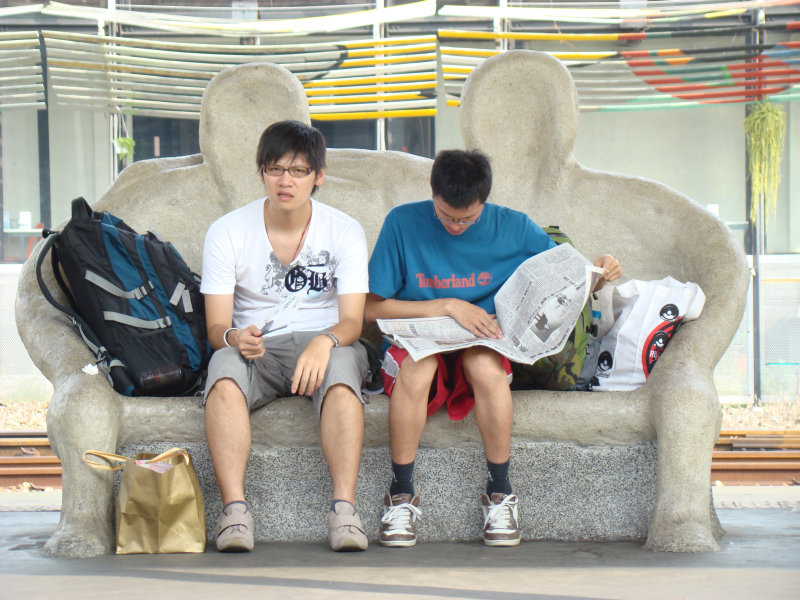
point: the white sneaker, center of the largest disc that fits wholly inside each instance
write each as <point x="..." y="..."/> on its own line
<point x="500" y="520"/>
<point x="399" y="521"/>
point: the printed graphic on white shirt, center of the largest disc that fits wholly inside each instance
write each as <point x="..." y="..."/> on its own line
<point x="312" y="273"/>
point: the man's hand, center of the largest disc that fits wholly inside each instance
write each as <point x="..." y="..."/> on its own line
<point x="248" y="341"/>
<point x="611" y="270"/>
<point x="473" y="318"/>
<point x="470" y="317"/>
<point x="311" y="365"/>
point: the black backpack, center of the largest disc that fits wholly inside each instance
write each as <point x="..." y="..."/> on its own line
<point x="134" y="301"/>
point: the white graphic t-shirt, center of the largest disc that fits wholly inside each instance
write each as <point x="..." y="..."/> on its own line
<point x="238" y="259"/>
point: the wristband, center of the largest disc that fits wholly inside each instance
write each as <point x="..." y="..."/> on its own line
<point x="225" y="336"/>
<point x="332" y="337"/>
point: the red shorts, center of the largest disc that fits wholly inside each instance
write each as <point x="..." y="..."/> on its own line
<point x="450" y="386"/>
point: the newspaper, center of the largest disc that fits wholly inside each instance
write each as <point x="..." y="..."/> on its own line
<point x="537" y="308"/>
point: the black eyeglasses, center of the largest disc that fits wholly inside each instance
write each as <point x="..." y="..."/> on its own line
<point x="278" y="171"/>
<point x="456" y="221"/>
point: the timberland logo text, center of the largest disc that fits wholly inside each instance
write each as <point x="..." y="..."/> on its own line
<point x="449" y="282"/>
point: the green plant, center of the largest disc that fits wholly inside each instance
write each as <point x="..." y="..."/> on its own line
<point x="124" y="147"/>
<point x="764" y="128"/>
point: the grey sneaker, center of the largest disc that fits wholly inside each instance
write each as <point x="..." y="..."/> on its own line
<point x="500" y="520"/>
<point x="399" y="521"/>
<point x="345" y="532"/>
<point x="235" y="528"/>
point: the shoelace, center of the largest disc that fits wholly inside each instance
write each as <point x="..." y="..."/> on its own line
<point x="501" y="516"/>
<point x="399" y="517"/>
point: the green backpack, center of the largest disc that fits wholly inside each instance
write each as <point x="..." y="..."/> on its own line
<point x="573" y="368"/>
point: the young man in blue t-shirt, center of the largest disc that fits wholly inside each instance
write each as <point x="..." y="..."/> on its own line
<point x="449" y="256"/>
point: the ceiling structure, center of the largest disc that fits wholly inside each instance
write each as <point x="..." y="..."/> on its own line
<point x="156" y="58"/>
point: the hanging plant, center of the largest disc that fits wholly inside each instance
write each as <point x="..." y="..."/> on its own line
<point x="124" y="148"/>
<point x="764" y="128"/>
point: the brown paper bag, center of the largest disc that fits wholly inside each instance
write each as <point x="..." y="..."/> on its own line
<point x="159" y="505"/>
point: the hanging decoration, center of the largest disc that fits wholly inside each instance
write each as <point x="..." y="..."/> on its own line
<point x="124" y="147"/>
<point x="765" y="128"/>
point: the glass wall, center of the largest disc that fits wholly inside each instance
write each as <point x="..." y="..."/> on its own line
<point x="413" y="135"/>
<point x="360" y="133"/>
<point x="159" y="137"/>
<point x="20" y="175"/>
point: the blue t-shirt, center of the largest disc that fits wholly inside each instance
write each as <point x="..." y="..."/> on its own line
<point x="415" y="257"/>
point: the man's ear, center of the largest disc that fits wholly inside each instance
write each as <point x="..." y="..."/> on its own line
<point x="320" y="177"/>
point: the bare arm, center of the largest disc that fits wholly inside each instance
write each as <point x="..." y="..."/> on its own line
<point x="351" y="318"/>
<point x="469" y="316"/>
<point x="219" y="318"/>
<point x="611" y="270"/>
<point x="312" y="363"/>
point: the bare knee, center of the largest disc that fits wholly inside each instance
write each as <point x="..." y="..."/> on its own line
<point x="484" y="370"/>
<point x="224" y="392"/>
<point x="341" y="397"/>
<point x="415" y="377"/>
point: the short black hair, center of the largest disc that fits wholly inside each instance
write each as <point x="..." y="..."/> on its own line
<point x="294" y="138"/>
<point x="460" y="177"/>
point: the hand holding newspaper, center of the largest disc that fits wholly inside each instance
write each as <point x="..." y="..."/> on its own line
<point x="537" y="308"/>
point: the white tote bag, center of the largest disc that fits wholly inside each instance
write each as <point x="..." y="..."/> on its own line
<point x="647" y="315"/>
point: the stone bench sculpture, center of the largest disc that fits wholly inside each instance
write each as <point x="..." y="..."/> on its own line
<point x="587" y="466"/>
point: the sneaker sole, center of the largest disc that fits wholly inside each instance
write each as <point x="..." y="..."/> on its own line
<point x="350" y="546"/>
<point x="398" y="543"/>
<point x="236" y="545"/>
<point x="501" y="543"/>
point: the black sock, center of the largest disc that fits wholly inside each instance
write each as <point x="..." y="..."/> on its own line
<point x="498" y="481"/>
<point x="403" y="481"/>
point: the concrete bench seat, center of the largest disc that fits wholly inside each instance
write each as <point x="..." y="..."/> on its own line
<point x="587" y="466"/>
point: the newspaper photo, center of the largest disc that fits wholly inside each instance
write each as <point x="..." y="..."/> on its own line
<point x="537" y="308"/>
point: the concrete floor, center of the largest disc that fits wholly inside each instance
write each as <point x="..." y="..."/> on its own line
<point x="760" y="558"/>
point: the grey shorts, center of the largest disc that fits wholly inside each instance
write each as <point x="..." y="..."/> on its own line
<point x="270" y="377"/>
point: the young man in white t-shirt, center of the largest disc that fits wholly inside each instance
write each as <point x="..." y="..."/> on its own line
<point x="285" y="280"/>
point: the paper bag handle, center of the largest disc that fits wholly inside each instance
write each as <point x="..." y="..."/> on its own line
<point x="169" y="454"/>
<point x="106" y="456"/>
<point x="121" y="460"/>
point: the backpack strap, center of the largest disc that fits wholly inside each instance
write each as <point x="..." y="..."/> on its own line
<point x="83" y="327"/>
<point x="104" y="284"/>
<point x="50" y="238"/>
<point x="110" y="367"/>
<point x="134" y="322"/>
<point x="181" y="295"/>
